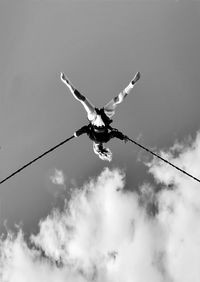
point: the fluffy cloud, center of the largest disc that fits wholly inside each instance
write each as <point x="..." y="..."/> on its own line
<point x="107" y="233"/>
<point x="58" y="177"/>
<point x="179" y="210"/>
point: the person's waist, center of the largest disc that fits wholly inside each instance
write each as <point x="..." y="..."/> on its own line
<point x="99" y="129"/>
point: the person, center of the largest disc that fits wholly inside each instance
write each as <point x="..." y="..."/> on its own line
<point x="99" y="129"/>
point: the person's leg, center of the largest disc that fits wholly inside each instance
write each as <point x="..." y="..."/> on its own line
<point x="109" y="108"/>
<point x="89" y="107"/>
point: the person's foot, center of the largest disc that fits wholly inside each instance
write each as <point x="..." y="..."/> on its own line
<point x="64" y="79"/>
<point x="136" y="78"/>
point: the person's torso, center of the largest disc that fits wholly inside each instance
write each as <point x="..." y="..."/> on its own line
<point x="99" y="127"/>
<point x="101" y="136"/>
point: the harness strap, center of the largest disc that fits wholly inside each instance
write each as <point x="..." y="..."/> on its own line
<point x="104" y="117"/>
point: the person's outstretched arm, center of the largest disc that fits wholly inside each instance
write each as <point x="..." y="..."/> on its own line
<point x="81" y="131"/>
<point x="115" y="133"/>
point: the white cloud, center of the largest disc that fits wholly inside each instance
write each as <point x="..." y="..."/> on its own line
<point x="179" y="211"/>
<point x="58" y="177"/>
<point x="106" y="233"/>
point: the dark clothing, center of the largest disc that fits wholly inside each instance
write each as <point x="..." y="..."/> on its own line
<point x="104" y="117"/>
<point x="102" y="136"/>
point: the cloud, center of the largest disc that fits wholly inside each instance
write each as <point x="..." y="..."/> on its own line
<point x="56" y="183"/>
<point x="111" y="234"/>
<point x="179" y="210"/>
<point x="58" y="177"/>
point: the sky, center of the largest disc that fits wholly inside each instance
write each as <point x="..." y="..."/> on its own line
<point x="99" y="46"/>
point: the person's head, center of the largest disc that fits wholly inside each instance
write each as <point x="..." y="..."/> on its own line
<point x="104" y="153"/>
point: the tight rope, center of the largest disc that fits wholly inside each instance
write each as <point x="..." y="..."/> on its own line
<point x="68" y="139"/>
<point x="164" y="160"/>
<point x="34" y="160"/>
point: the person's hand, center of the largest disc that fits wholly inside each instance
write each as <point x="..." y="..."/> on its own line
<point x="125" y="138"/>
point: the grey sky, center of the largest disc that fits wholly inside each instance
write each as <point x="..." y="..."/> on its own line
<point x="100" y="46"/>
